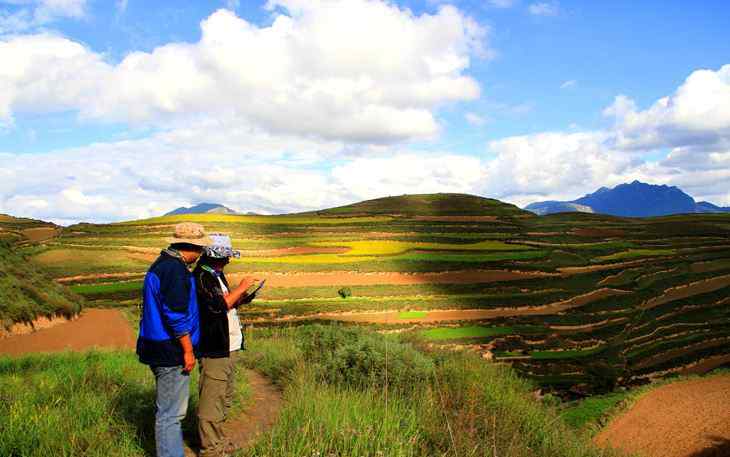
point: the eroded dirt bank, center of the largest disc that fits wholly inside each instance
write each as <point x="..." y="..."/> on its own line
<point x="106" y="328"/>
<point x="684" y="419"/>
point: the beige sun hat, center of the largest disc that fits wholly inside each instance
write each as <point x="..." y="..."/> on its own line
<point x="190" y="233"/>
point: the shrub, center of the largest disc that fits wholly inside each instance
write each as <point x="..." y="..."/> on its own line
<point x="357" y="358"/>
<point x="345" y="292"/>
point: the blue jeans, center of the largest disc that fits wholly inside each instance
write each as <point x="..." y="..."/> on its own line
<point x="173" y="390"/>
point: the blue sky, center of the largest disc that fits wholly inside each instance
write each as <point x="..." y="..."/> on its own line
<point x="139" y="110"/>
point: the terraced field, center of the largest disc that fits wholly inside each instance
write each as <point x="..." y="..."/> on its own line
<point x="576" y="301"/>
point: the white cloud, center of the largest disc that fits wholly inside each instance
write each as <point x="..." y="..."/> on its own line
<point x="549" y="163"/>
<point x="318" y="71"/>
<point x="697" y="113"/>
<point x="37" y="13"/>
<point x="544" y="9"/>
<point x="408" y="173"/>
<point x="568" y="84"/>
<point x="475" y="119"/>
<point x="237" y="165"/>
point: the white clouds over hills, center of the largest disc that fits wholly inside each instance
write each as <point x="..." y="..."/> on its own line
<point x="693" y="125"/>
<point x="255" y="170"/>
<point x="242" y="167"/>
<point x="353" y="70"/>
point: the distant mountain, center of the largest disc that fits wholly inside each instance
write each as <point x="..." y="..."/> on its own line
<point x="552" y="206"/>
<point x="636" y="199"/>
<point x="707" y="207"/>
<point x="426" y="205"/>
<point x="202" y="208"/>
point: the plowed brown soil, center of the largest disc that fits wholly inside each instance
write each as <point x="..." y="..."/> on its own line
<point x="105" y="328"/>
<point x="91" y="277"/>
<point x="456" y="218"/>
<point x="684" y="419"/>
<point x="688" y="290"/>
<point x="353" y="278"/>
<point x="39" y="234"/>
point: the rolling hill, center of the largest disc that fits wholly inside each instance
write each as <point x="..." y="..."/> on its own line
<point x="426" y="205"/>
<point x="636" y="199"/>
<point x="25" y="230"/>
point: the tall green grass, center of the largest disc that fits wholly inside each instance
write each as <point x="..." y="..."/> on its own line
<point x="350" y="392"/>
<point x="95" y="404"/>
<point x="84" y="404"/>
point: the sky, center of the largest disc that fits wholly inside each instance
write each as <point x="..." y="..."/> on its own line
<point x="125" y="109"/>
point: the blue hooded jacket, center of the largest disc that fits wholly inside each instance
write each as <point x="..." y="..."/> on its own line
<point x="169" y="311"/>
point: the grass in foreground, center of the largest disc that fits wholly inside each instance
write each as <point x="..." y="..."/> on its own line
<point x="91" y="404"/>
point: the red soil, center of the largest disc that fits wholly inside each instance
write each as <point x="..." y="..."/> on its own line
<point x="22" y="328"/>
<point x="595" y="232"/>
<point x="688" y="290"/>
<point x="568" y="271"/>
<point x="353" y="278"/>
<point x="106" y="328"/>
<point x="456" y="218"/>
<point x="81" y="278"/>
<point x="684" y="419"/>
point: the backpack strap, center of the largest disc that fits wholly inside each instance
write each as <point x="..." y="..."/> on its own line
<point x="209" y="269"/>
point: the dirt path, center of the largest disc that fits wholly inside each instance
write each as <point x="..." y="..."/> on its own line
<point x="243" y="430"/>
<point x="684" y="419"/>
<point x="94" y="328"/>
<point x="267" y="402"/>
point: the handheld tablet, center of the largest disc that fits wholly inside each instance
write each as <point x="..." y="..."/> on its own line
<point x="259" y="287"/>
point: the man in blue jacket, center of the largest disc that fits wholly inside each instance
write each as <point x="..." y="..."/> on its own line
<point x="169" y="332"/>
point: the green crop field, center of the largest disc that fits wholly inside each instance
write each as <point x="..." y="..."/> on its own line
<point x="467" y="331"/>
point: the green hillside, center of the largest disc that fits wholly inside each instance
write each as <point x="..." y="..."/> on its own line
<point x="427" y="205"/>
<point x="25" y="230"/>
<point x="26" y="292"/>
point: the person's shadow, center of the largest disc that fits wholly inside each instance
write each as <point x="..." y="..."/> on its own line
<point x="720" y="448"/>
<point x="136" y="404"/>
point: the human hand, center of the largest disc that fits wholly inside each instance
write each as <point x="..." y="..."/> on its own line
<point x="188" y="361"/>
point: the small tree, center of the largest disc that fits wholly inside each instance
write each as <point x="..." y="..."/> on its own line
<point x="345" y="292"/>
